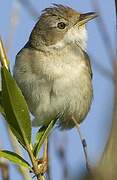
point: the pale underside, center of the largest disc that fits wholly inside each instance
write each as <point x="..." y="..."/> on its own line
<point x="58" y="81"/>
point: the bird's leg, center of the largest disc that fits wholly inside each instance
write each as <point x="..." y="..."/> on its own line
<point x="84" y="144"/>
<point x="43" y="162"/>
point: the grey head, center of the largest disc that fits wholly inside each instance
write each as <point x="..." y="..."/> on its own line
<point x="59" y="25"/>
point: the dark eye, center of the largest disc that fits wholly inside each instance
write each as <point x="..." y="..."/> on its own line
<point x="61" y="25"/>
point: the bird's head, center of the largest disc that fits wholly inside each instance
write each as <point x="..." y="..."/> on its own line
<point x="60" y="25"/>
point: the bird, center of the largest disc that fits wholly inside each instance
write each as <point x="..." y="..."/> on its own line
<point x="53" y="69"/>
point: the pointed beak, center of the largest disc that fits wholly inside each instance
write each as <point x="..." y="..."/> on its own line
<point x="84" y="18"/>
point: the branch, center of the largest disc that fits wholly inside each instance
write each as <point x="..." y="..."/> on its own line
<point x="16" y="148"/>
<point x="3" y="56"/>
<point x="107" y="168"/>
<point x="36" y="170"/>
<point x="30" y="8"/>
<point x="4" y="169"/>
<point x="103" y="32"/>
<point x="116" y="6"/>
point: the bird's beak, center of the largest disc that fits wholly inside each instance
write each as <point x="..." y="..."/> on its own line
<point x="84" y="18"/>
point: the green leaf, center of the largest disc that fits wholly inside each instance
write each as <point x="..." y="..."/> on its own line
<point x="2" y="110"/>
<point x="14" y="158"/>
<point x="1" y="105"/>
<point x="16" y="109"/>
<point x="41" y="135"/>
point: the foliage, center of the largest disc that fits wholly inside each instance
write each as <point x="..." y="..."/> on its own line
<point x="15" y="111"/>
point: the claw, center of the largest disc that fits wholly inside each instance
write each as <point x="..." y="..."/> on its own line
<point x="42" y="165"/>
<point x="59" y="115"/>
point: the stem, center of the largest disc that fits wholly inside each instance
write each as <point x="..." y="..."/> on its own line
<point x="33" y="160"/>
<point x="45" y="154"/>
<point x="84" y="144"/>
<point x="3" y="57"/>
<point x="16" y="148"/>
<point x="34" y="163"/>
<point x="41" y="177"/>
<point x="4" y="62"/>
<point x="4" y="170"/>
<point x="48" y="155"/>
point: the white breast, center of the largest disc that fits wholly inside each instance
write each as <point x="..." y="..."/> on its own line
<point x="67" y="85"/>
<point x="74" y="35"/>
<point x="53" y="83"/>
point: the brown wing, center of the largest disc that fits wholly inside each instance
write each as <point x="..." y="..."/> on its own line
<point x="88" y="63"/>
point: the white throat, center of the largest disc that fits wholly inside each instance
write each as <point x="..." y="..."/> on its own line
<point x="76" y="36"/>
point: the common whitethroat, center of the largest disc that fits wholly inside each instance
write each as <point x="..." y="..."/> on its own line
<point x="53" y="69"/>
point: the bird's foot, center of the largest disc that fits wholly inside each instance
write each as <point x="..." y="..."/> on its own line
<point x="42" y="165"/>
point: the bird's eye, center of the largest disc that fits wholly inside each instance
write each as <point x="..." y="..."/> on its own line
<point x="61" y="25"/>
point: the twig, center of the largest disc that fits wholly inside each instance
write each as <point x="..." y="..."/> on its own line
<point x="14" y="143"/>
<point x="61" y="149"/>
<point x="15" y="146"/>
<point x="108" y="161"/>
<point x="62" y="156"/>
<point x="101" y="69"/>
<point x="3" y="57"/>
<point x="106" y="169"/>
<point x="84" y="144"/>
<point x="45" y="154"/>
<point x="41" y="177"/>
<point x="30" y="8"/>
<point x="116" y="6"/>
<point x="103" y="32"/>
<point x="48" y="170"/>
<point x="4" y="170"/>
<point x="14" y="20"/>
<point x="36" y="170"/>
